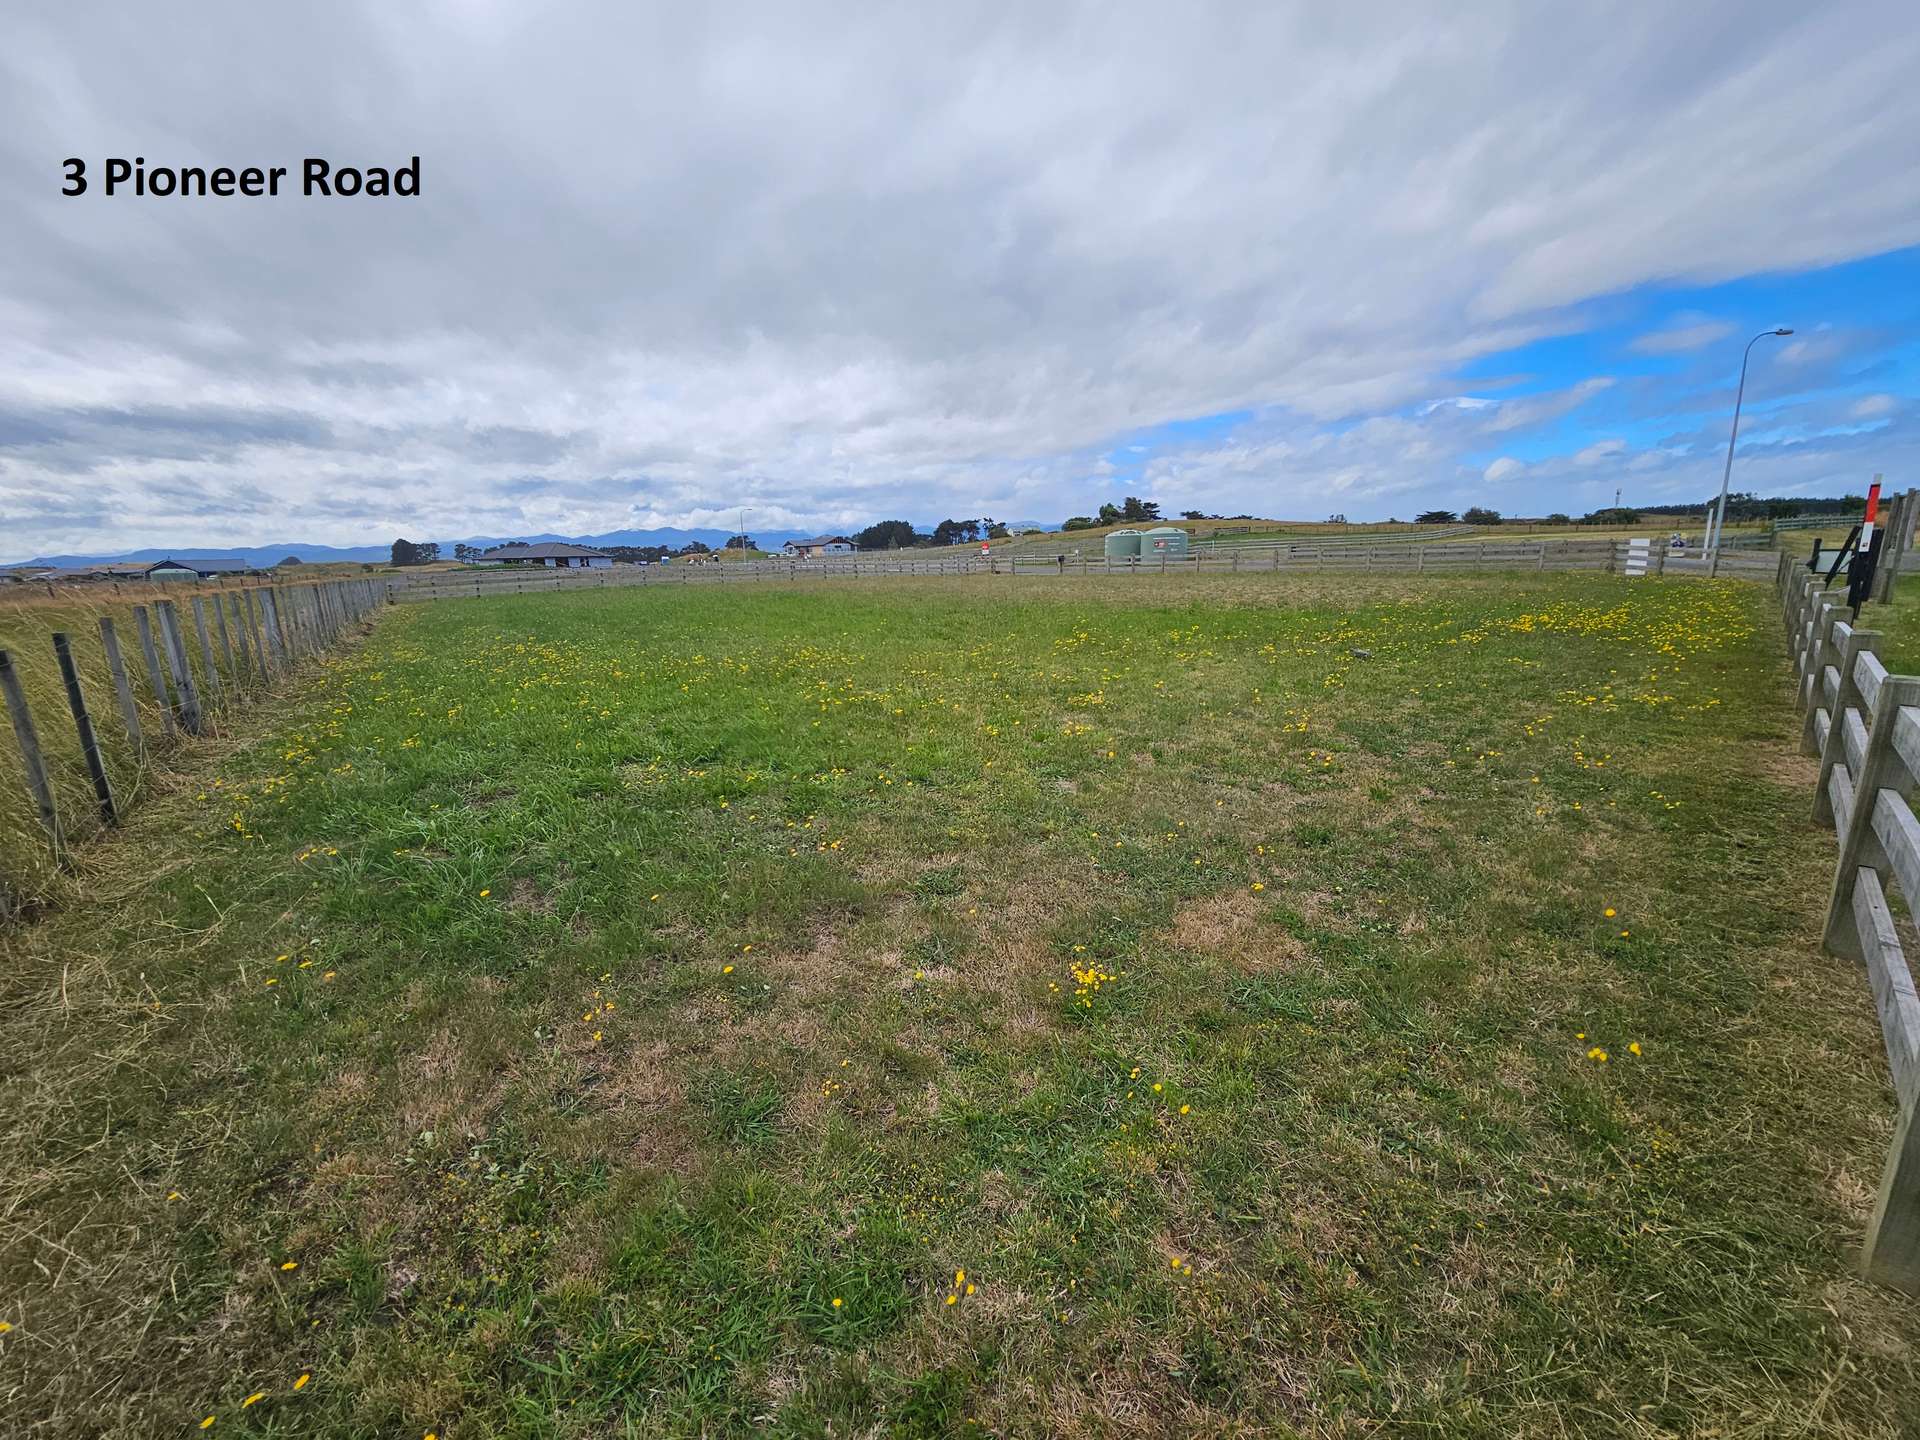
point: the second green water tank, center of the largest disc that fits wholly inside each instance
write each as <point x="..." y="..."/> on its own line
<point x="1167" y="540"/>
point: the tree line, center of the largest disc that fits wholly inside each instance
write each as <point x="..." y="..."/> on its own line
<point x="1741" y="505"/>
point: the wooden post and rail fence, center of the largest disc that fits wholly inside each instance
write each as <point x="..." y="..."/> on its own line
<point x="188" y="677"/>
<point x="1864" y="726"/>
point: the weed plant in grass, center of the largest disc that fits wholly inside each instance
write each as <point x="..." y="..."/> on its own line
<point x="936" y="1008"/>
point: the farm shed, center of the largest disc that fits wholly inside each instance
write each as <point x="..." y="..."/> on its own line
<point x="557" y="555"/>
<point x="819" y="545"/>
<point x="206" y="567"/>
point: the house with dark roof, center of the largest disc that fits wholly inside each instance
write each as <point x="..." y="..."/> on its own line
<point x="203" y="567"/>
<point x="552" y="554"/>
<point x="818" y="545"/>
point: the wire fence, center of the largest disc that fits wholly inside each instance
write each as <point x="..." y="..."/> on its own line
<point x="101" y="689"/>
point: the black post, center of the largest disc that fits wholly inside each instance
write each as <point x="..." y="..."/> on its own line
<point x="83" y="722"/>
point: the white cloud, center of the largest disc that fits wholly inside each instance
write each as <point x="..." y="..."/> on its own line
<point x="841" y="262"/>
<point x="1872" y="407"/>
<point x="1599" y="451"/>
<point x="1505" y="468"/>
<point x="1682" y="333"/>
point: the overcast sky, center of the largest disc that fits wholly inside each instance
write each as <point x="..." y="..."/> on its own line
<point x="847" y="263"/>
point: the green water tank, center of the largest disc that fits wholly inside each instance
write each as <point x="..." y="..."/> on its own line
<point x="1167" y="540"/>
<point x="1123" y="545"/>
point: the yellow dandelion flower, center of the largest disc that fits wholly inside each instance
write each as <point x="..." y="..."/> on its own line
<point x="969" y="1287"/>
<point x="1185" y="1108"/>
<point x="290" y="1265"/>
<point x="207" y="1423"/>
<point x="837" y="1302"/>
<point x="254" y="1399"/>
<point x="1609" y="912"/>
<point x="953" y="1299"/>
<point x="1258" y="887"/>
<point x="485" y="893"/>
<point x="959" y="1277"/>
<point x="1634" y="1048"/>
<point x="1174" y="1261"/>
<point x="301" y="1383"/>
<point x="726" y="969"/>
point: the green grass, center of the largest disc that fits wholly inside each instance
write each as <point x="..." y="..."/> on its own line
<point x="584" y="992"/>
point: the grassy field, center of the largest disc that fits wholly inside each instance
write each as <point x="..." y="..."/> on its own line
<point x="922" y="1008"/>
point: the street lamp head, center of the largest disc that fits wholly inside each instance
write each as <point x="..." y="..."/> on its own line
<point x="1783" y="332"/>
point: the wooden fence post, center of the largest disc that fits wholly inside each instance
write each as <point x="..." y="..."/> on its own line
<point x="256" y="623"/>
<point x="155" y="678"/>
<point x="83" y="726"/>
<point x="1881" y="768"/>
<point x="174" y="647"/>
<point x="234" y="672"/>
<point x="270" y="626"/>
<point x="1813" y="656"/>
<point x="1844" y="708"/>
<point x="122" y="687"/>
<point x="35" y="764"/>
<point x="206" y="651"/>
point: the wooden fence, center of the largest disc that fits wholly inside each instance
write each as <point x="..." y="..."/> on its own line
<point x="187" y="663"/>
<point x="1385" y="556"/>
<point x="1864" y="725"/>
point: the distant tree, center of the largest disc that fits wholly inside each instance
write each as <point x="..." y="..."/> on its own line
<point x="1435" y="517"/>
<point x="888" y="535"/>
<point x="464" y="551"/>
<point x="1192" y="515"/>
<point x="405" y="552"/>
<point x="740" y="542"/>
<point x="695" y="547"/>
<point x="290" y="560"/>
<point x="427" y="551"/>
<point x="1338" y="518"/>
<point x="1480" y="515"/>
<point x="997" y="531"/>
<point x="1080" y="522"/>
<point x="1612" y="515"/>
<point x="1558" y="518"/>
<point x="1133" y="508"/>
<point x="956" y="532"/>
<point x="1110" y="515"/>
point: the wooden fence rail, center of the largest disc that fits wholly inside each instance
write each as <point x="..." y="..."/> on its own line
<point x="1864" y="725"/>
<point x="191" y="681"/>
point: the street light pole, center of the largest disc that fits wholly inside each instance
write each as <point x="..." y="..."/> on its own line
<point x="1726" y="475"/>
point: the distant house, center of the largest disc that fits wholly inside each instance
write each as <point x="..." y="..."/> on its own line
<point x="552" y="554"/>
<point x="206" y="567"/>
<point x="20" y="574"/>
<point x="818" y="545"/>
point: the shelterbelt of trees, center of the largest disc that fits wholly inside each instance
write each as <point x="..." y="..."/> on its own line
<point x="1740" y="506"/>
